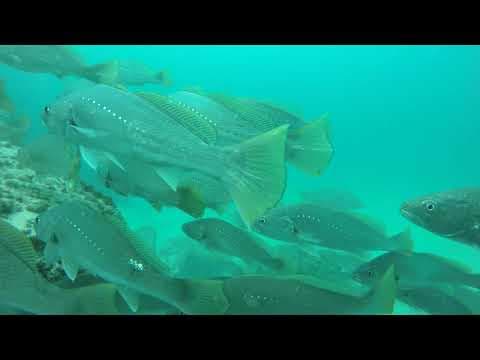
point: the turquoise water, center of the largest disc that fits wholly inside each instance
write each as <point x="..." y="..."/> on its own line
<point x="404" y="119"/>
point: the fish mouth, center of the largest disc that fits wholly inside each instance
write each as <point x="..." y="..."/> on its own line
<point x="411" y="216"/>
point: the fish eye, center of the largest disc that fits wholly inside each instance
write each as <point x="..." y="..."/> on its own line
<point x="262" y="220"/>
<point x="370" y="273"/>
<point x="46" y="110"/>
<point x="37" y="219"/>
<point x="430" y="206"/>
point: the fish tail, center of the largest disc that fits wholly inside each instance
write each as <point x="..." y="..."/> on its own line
<point x="164" y="78"/>
<point x="403" y="241"/>
<point x="103" y="73"/>
<point x="256" y="173"/>
<point x="310" y="148"/>
<point x="381" y="299"/>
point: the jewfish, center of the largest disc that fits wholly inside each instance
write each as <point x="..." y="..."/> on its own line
<point x="12" y="125"/>
<point x="308" y="145"/>
<point x="137" y="73"/>
<point x="417" y="269"/>
<point x="59" y="60"/>
<point x="125" y="125"/>
<point x="267" y="295"/>
<point x="309" y="223"/>
<point x="453" y="214"/>
<point x="81" y="237"/>
<point x="219" y="235"/>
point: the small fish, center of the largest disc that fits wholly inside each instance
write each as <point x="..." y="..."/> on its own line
<point x="51" y="155"/>
<point x="453" y="214"/>
<point x="433" y="301"/>
<point x="138" y="73"/>
<point x="333" y="198"/>
<point x="417" y="269"/>
<point x="122" y="124"/>
<point x="13" y="126"/>
<point x="308" y="145"/>
<point x="219" y="235"/>
<point x="288" y="295"/>
<point x="309" y="223"/>
<point x="59" y="60"/>
<point x="81" y="237"/>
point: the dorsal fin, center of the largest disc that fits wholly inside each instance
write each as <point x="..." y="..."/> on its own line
<point x="248" y="110"/>
<point x="191" y="120"/>
<point x="18" y="244"/>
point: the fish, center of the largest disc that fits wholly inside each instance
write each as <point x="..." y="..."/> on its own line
<point x="333" y="198"/>
<point x="433" y="300"/>
<point x="81" y="237"/>
<point x="137" y="73"/>
<point x="51" y="155"/>
<point x="468" y="296"/>
<point x="303" y="295"/>
<point x="318" y="261"/>
<point x="128" y="177"/>
<point x="22" y="287"/>
<point x="187" y="259"/>
<point x="59" y="60"/>
<point x="219" y="235"/>
<point x="452" y="214"/>
<point x="13" y="126"/>
<point x="123" y="124"/>
<point x="417" y="269"/>
<point x="308" y="147"/>
<point x="314" y="224"/>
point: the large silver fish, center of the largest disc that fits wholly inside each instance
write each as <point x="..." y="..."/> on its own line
<point x="308" y="145"/>
<point x="81" y="237"/>
<point x="56" y="59"/>
<point x="125" y="125"/>
<point x="310" y="223"/>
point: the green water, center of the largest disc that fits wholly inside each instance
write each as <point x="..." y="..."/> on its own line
<point x="404" y="119"/>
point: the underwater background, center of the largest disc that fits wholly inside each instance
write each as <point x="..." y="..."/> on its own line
<point x="404" y="119"/>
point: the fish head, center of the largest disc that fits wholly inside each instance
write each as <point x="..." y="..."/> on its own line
<point x="45" y="224"/>
<point x="276" y="226"/>
<point x="369" y="273"/>
<point x="197" y="230"/>
<point x="57" y="115"/>
<point x="444" y="214"/>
